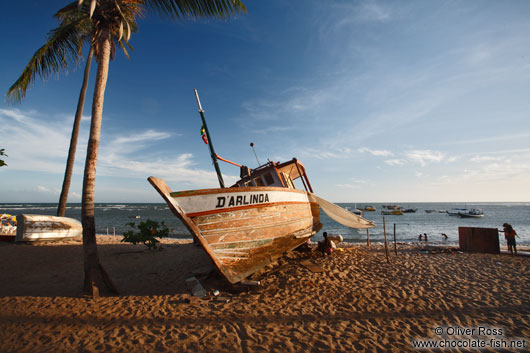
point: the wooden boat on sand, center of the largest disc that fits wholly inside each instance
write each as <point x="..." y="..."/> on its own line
<point x="8" y="227"/>
<point x="32" y="228"/>
<point x="247" y="226"/>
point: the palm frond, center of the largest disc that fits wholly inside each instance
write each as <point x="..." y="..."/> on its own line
<point x="69" y="11"/>
<point x="186" y="9"/>
<point x="64" y="45"/>
<point x="122" y="46"/>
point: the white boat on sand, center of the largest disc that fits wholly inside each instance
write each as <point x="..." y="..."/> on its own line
<point x="32" y="228"/>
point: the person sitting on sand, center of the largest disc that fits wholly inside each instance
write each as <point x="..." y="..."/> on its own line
<point x="327" y="246"/>
<point x="509" y="234"/>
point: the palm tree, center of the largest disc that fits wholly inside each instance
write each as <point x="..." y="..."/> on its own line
<point x="109" y="20"/>
<point x="64" y="44"/>
<point x="63" y="198"/>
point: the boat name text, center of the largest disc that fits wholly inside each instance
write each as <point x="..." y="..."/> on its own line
<point x="241" y="200"/>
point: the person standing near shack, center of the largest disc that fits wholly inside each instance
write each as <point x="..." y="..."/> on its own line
<point x="509" y="234"/>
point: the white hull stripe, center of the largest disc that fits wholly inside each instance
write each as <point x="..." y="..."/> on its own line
<point x="221" y="201"/>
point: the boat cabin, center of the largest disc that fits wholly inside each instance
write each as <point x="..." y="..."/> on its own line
<point x="274" y="174"/>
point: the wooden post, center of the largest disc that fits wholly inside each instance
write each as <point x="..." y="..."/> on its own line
<point x="386" y="243"/>
<point x="367" y="237"/>
<point x="210" y="144"/>
<point x="395" y="245"/>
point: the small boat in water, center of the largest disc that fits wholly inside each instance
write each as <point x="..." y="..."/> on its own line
<point x="368" y="208"/>
<point x="472" y="213"/>
<point x="456" y="211"/>
<point x="392" y="212"/>
<point x="32" y="228"/>
<point x="355" y="210"/>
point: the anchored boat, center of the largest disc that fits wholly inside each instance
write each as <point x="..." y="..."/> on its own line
<point x="472" y="213"/>
<point x="250" y="224"/>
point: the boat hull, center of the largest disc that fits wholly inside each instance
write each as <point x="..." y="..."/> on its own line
<point x="31" y="228"/>
<point x="467" y="215"/>
<point x="392" y="213"/>
<point x="246" y="228"/>
<point x="8" y="233"/>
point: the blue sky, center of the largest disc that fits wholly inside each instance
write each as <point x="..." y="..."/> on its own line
<point x="383" y="101"/>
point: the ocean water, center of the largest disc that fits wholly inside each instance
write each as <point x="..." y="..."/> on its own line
<point x="114" y="218"/>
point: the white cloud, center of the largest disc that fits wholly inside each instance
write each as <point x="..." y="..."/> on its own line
<point x="327" y="153"/>
<point x="394" y="162"/>
<point x="41" y="188"/>
<point x="353" y="184"/>
<point x="371" y="11"/>
<point x="424" y="156"/>
<point x="46" y="190"/>
<point x="39" y="144"/>
<point x="383" y="153"/>
<point x="34" y="142"/>
<point x="146" y="136"/>
<point x="349" y="14"/>
<point x="486" y="159"/>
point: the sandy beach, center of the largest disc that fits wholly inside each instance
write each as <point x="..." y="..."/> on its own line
<point x="358" y="302"/>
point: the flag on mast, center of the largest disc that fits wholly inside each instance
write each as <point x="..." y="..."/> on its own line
<point x="203" y="135"/>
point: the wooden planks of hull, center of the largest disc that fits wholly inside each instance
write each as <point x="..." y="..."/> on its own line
<point x="244" y="238"/>
<point x="239" y="265"/>
<point x="256" y="223"/>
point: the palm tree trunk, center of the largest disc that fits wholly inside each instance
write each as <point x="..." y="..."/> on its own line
<point x="95" y="276"/>
<point x="61" y="209"/>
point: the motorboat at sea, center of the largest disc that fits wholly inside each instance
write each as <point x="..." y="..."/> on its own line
<point x="456" y="211"/>
<point x="397" y="212"/>
<point x="472" y="213"/>
<point x="355" y="210"/>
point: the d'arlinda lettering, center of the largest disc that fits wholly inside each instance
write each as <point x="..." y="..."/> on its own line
<point x="241" y="200"/>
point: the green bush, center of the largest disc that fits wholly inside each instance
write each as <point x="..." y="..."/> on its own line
<point x="147" y="231"/>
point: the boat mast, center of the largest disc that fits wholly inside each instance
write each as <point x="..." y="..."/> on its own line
<point x="210" y="144"/>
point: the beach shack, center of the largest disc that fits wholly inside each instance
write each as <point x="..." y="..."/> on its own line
<point x="475" y="239"/>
